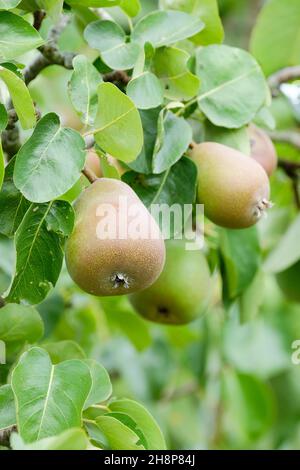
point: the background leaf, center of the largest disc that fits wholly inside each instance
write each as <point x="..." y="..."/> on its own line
<point x="50" y="162"/>
<point x="49" y="397"/>
<point x="275" y="40"/>
<point x="83" y="89"/>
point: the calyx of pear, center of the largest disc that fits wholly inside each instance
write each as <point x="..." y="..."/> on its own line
<point x="104" y="258"/>
<point x="181" y="293"/>
<point x="234" y="188"/>
<point x="262" y="149"/>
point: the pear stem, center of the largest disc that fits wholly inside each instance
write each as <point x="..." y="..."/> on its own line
<point x="89" y="174"/>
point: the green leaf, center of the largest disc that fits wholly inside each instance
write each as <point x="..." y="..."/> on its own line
<point x="20" y="96"/>
<point x="3" y="124"/>
<point x="207" y="11"/>
<point x="233" y="87"/>
<point x="287" y="251"/>
<point x="144" y="422"/>
<point x="275" y="40"/>
<point x="260" y="341"/>
<point x="110" y="39"/>
<point x="50" y="162"/>
<point x="175" y="140"/>
<point x="170" y="64"/>
<point x="101" y="388"/>
<point x="49" y="398"/>
<point x="240" y="254"/>
<point x="250" y="406"/>
<point x="7" y="407"/>
<point x="83" y="89"/>
<point x="20" y="323"/>
<point x="131" y="7"/>
<point x="175" y="186"/>
<point x="94" y="3"/>
<point x="17" y="36"/>
<point x="118" y="124"/>
<point x="52" y="7"/>
<point x="162" y="28"/>
<point x="39" y="245"/>
<point x="13" y="205"/>
<point x="3" y="117"/>
<point x="8" y="4"/>
<point x="60" y="351"/>
<point x="118" y="435"/>
<point x="71" y="439"/>
<point x="146" y="91"/>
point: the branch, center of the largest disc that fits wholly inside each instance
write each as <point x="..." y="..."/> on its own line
<point x="187" y="389"/>
<point x="289" y="137"/>
<point x="283" y="76"/>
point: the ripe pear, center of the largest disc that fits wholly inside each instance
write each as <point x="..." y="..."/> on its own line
<point x="233" y="187"/>
<point x="289" y="282"/>
<point x="181" y="293"/>
<point x="116" y="247"/>
<point x="262" y="149"/>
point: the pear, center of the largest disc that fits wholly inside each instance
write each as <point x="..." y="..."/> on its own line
<point x="183" y="290"/>
<point x="233" y="187"/>
<point x="289" y="282"/>
<point x="116" y="247"/>
<point x="262" y="149"/>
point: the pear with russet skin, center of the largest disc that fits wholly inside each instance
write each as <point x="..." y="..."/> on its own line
<point x="289" y="282"/>
<point x="106" y="253"/>
<point x="181" y="293"/>
<point x="262" y="149"/>
<point x="234" y="188"/>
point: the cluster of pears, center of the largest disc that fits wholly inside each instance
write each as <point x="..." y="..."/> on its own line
<point x="166" y="283"/>
<point x="234" y="188"/>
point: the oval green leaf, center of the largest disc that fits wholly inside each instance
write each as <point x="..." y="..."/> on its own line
<point x="50" y="162"/>
<point x="49" y="398"/>
<point x="118" y="128"/>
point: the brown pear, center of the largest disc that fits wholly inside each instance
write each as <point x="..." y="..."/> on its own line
<point x="262" y="149"/>
<point x="116" y="247"/>
<point x="234" y="188"/>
